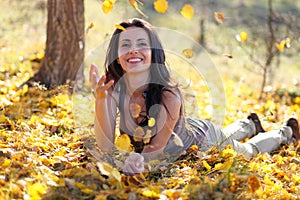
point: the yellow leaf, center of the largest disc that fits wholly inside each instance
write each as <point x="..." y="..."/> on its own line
<point x="219" y="17"/>
<point x="138" y="134"/>
<point x="135" y="110"/>
<point x="105" y="168"/>
<point x="6" y="163"/>
<point x="107" y="6"/>
<point x="188" y="53"/>
<point x="161" y="6"/>
<point x="87" y="191"/>
<point x="108" y="170"/>
<point x="268" y="181"/>
<point x="36" y="190"/>
<point x="2" y="119"/>
<point x="147" y="137"/>
<point x="253" y="183"/>
<point x="281" y="46"/>
<point x="151" y="122"/>
<point x="123" y="143"/>
<point x="243" y="36"/>
<point x="133" y="3"/>
<point x="187" y="11"/>
<point x="206" y="165"/>
<point x="118" y="26"/>
<point x="151" y="193"/>
<point x="219" y="166"/>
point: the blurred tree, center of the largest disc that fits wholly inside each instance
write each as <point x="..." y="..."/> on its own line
<point x="64" y="52"/>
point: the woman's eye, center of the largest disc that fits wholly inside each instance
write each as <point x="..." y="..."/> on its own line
<point x="142" y="44"/>
<point x="125" y="45"/>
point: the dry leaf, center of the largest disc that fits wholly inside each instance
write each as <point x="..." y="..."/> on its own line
<point x="161" y="6"/>
<point x="187" y="11"/>
<point x="228" y="56"/>
<point x="147" y="137"/>
<point x="123" y="143"/>
<point x="253" y="183"/>
<point x="135" y="110"/>
<point x="138" y="134"/>
<point x="219" y="17"/>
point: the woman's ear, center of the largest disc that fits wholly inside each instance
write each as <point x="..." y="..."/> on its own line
<point x="118" y="61"/>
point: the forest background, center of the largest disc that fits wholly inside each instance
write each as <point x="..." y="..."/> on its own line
<point x="46" y="149"/>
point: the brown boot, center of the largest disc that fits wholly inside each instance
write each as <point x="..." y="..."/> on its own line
<point x="293" y="123"/>
<point x="256" y="121"/>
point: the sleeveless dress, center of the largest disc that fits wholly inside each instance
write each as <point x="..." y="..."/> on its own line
<point x="187" y="132"/>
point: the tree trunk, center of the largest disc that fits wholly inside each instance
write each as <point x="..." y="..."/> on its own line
<point x="64" y="52"/>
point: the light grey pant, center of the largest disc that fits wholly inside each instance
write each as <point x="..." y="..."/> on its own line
<point x="239" y="130"/>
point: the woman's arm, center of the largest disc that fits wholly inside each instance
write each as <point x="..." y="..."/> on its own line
<point x="166" y="122"/>
<point x="105" y="110"/>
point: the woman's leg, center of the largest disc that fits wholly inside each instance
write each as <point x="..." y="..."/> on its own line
<point x="263" y="142"/>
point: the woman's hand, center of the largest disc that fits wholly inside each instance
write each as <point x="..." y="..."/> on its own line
<point x="98" y="83"/>
<point x="134" y="164"/>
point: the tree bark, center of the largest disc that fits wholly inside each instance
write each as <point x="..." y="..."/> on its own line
<point x="64" y="53"/>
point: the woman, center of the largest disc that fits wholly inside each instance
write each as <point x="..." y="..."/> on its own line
<point x="138" y="86"/>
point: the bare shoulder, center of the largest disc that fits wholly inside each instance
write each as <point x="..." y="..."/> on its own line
<point x="172" y="99"/>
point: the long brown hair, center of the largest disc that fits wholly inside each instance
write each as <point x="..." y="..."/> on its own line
<point x="160" y="79"/>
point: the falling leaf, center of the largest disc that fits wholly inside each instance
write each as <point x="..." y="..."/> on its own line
<point x="243" y="36"/>
<point x="187" y="11"/>
<point x="281" y="46"/>
<point x="253" y="183"/>
<point x="138" y="134"/>
<point x="107" y="6"/>
<point x="147" y="136"/>
<point x="151" y="122"/>
<point x="219" y="17"/>
<point x="134" y="4"/>
<point x="135" y="110"/>
<point x="123" y="143"/>
<point x="161" y="6"/>
<point x="118" y="26"/>
<point x="188" y="53"/>
<point x="228" y="56"/>
<point x="288" y="42"/>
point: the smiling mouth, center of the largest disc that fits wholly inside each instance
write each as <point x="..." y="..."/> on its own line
<point x="134" y="60"/>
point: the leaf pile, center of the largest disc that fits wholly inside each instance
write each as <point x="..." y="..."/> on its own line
<point x="44" y="155"/>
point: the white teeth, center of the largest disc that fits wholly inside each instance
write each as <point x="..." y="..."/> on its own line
<point x="134" y="60"/>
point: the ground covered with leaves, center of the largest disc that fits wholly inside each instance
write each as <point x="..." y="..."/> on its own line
<point x="45" y="154"/>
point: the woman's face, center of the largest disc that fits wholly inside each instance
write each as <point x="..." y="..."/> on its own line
<point x="134" y="50"/>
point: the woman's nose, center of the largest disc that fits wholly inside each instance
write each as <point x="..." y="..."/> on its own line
<point x="133" y="51"/>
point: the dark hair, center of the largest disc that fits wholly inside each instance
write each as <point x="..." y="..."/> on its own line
<point x="160" y="79"/>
